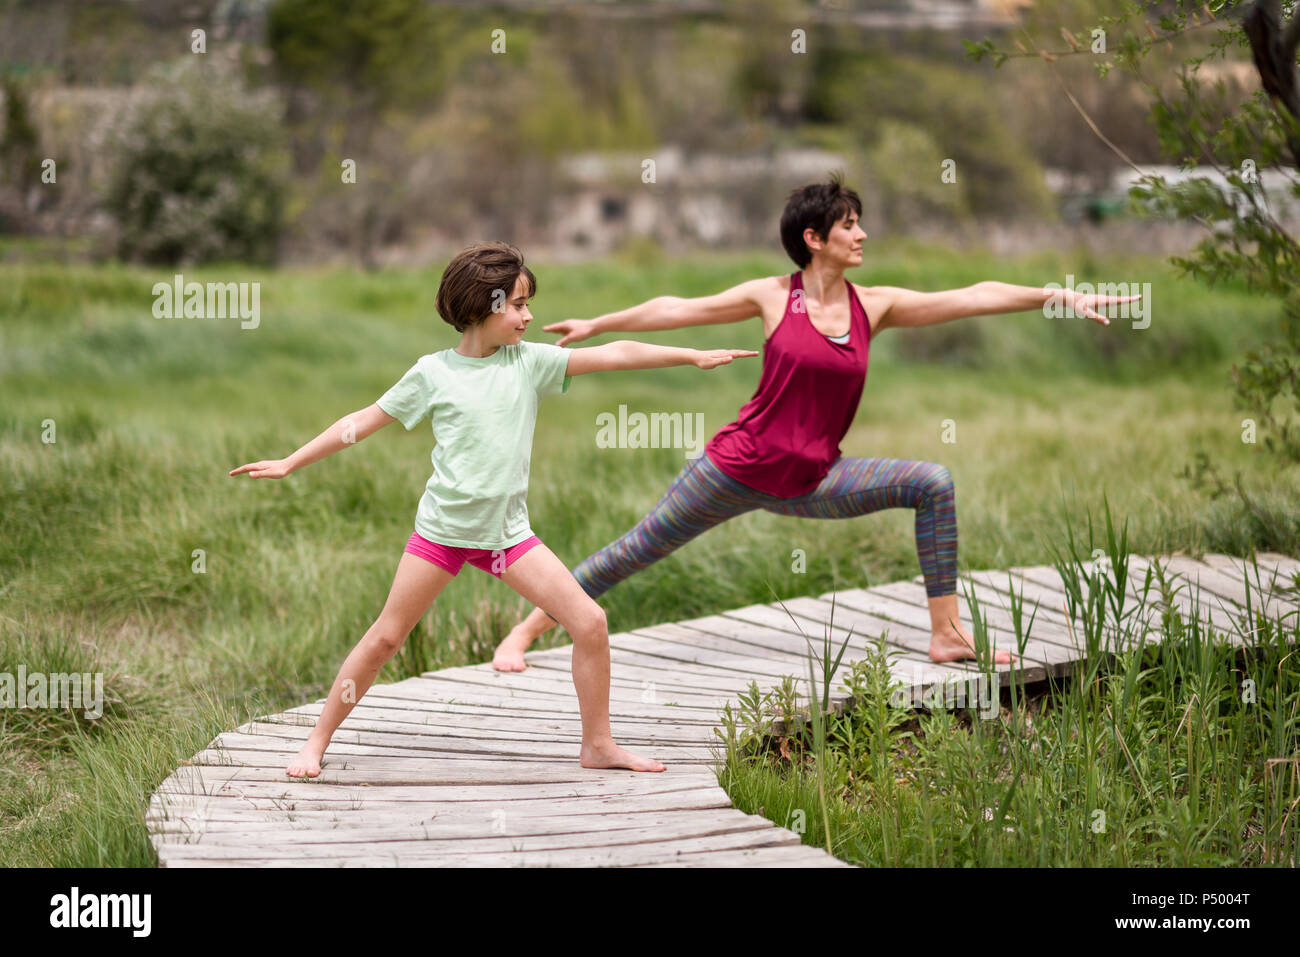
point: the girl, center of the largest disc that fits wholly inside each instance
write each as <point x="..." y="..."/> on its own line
<point x="782" y="453"/>
<point x="482" y="397"/>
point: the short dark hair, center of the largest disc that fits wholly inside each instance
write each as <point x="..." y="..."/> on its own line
<point x="819" y="206"/>
<point x="479" y="277"/>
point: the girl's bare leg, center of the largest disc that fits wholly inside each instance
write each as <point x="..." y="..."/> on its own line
<point x="541" y="578"/>
<point x="415" y="585"/>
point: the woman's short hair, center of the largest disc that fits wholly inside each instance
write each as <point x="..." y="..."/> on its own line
<point x="818" y="206"/>
<point x="480" y="280"/>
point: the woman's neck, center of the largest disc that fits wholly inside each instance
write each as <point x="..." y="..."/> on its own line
<point x="823" y="282"/>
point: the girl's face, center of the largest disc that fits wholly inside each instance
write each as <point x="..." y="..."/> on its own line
<point x="506" y="326"/>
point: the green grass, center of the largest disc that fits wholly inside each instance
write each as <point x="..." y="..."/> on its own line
<point x="99" y="529"/>
<point x="1181" y="753"/>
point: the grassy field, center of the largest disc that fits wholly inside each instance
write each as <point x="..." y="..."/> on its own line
<point x="99" y="529"/>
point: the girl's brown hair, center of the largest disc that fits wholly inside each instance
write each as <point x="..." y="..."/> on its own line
<point x="479" y="280"/>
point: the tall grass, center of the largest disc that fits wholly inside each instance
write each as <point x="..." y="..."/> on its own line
<point x="1176" y="752"/>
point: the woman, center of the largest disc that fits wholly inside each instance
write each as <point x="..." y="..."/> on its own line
<point x="782" y="453"/>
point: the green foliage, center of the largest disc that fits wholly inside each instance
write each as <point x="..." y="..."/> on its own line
<point x="1175" y="754"/>
<point x="884" y="94"/>
<point x="20" y="163"/>
<point x="1245" y="243"/>
<point x="382" y="53"/>
<point x="198" y="170"/>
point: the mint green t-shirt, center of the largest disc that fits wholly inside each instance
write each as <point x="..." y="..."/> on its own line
<point x="483" y="412"/>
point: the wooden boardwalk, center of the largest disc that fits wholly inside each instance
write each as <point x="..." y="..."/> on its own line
<point x="470" y="767"/>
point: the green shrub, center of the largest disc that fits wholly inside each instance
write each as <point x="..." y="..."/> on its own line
<point x="199" y="169"/>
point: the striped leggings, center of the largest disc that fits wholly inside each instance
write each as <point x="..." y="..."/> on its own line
<point x="703" y="496"/>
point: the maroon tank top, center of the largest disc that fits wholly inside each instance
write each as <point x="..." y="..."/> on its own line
<point x="785" y="438"/>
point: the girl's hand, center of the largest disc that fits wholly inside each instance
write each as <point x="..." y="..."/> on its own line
<point x="1087" y="305"/>
<point x="271" y="468"/>
<point x="575" y="330"/>
<point x="708" y="358"/>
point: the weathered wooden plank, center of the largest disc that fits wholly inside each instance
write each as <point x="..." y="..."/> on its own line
<point x="1287" y="567"/>
<point x="470" y="823"/>
<point x="1040" y="659"/>
<point x="496" y="853"/>
<point x="271" y="767"/>
<point x="1231" y="577"/>
<point x="453" y="700"/>
<point x="535" y="799"/>
<point x="861" y="633"/>
<point x="486" y="841"/>
<point x="360" y="733"/>
<point x="486" y="728"/>
<point x="757" y="625"/>
<point x="701" y="649"/>
<point x="634" y="663"/>
<point x="1192" y="599"/>
<point x="996" y="616"/>
<point x="637" y="668"/>
<point x="856" y="608"/>
<point x="1141" y="617"/>
<point x="786" y="855"/>
<point x="540" y="686"/>
<point x="627" y="680"/>
<point x="781" y="659"/>
<point x="1048" y="645"/>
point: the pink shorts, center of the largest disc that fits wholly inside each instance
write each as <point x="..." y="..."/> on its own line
<point x="452" y="557"/>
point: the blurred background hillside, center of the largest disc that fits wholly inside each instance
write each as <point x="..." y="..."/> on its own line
<point x="394" y="131"/>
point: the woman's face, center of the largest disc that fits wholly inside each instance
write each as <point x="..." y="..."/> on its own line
<point x="842" y="246"/>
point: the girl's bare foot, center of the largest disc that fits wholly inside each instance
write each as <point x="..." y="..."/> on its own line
<point x="307" y="762"/>
<point x="957" y="645"/>
<point x="510" y="653"/>
<point x="610" y="755"/>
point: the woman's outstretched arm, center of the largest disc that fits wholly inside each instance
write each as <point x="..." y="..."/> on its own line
<point x="348" y="430"/>
<point x="907" y="307"/>
<point x="671" y="312"/>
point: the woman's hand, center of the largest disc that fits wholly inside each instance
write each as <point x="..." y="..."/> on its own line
<point x="271" y="468"/>
<point x="575" y="330"/>
<point x="708" y="358"/>
<point x="1087" y="305"/>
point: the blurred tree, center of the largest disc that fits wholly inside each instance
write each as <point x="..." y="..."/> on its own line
<point x="873" y="93"/>
<point x="358" y="65"/>
<point x="20" y="161"/>
<point x="1246" y="242"/>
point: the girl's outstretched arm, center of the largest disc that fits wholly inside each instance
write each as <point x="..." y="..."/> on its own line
<point x="629" y="354"/>
<point x="348" y="430"/>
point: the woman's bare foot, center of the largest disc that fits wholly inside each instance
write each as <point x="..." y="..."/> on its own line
<point x="610" y="755"/>
<point x="307" y="762"/>
<point x="957" y="645"/>
<point x="510" y="653"/>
